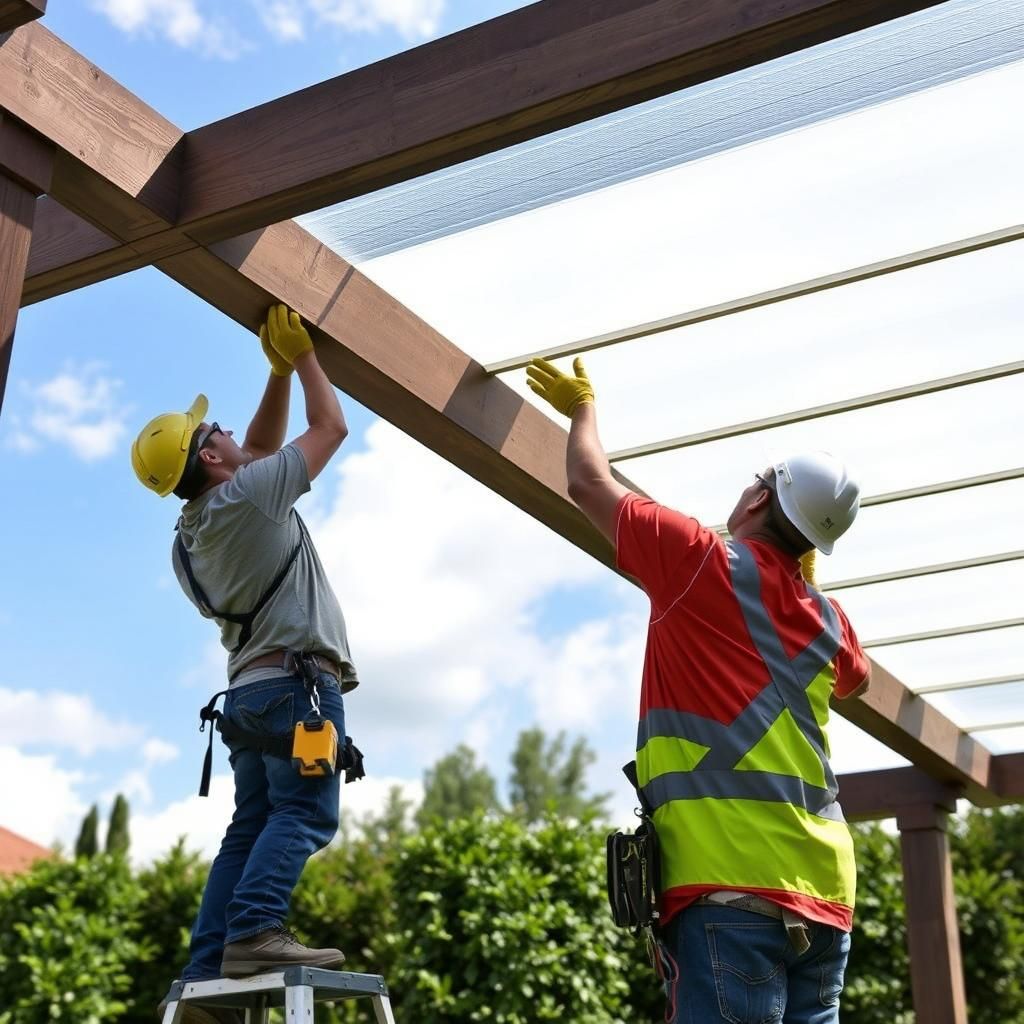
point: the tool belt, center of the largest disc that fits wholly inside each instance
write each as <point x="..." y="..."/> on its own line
<point x="634" y="868"/>
<point x="796" y="927"/>
<point x="311" y="745"/>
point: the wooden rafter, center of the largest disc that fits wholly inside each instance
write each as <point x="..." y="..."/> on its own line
<point x="19" y="12"/>
<point x="120" y="167"/>
<point x="529" y="72"/>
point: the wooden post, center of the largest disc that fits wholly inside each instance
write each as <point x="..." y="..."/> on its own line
<point x="936" y="970"/>
<point x="26" y="164"/>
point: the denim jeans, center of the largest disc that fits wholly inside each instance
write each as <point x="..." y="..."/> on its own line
<point x="737" y="966"/>
<point x="281" y="818"/>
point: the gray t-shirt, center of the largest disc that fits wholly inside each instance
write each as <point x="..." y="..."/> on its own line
<point x="239" y="536"/>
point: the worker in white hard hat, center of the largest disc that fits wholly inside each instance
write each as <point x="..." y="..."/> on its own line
<point x="245" y="559"/>
<point x="743" y="655"/>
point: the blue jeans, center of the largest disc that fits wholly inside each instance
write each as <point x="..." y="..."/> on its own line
<point x="737" y="966"/>
<point x="281" y="818"/>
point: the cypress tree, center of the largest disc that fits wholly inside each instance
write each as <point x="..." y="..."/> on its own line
<point x="117" y="834"/>
<point x="86" y="845"/>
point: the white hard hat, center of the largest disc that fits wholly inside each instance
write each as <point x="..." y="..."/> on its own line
<point x="817" y="496"/>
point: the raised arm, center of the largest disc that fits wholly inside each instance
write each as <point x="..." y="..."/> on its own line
<point x="591" y="484"/>
<point x="327" y="427"/>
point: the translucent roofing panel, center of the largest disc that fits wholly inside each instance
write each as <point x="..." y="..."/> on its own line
<point x="906" y="444"/>
<point x="889" y="332"/>
<point x="955" y="658"/>
<point x="983" y="705"/>
<point x="923" y="49"/>
<point x="1002" y="741"/>
<point x="948" y="600"/>
<point x="840" y="194"/>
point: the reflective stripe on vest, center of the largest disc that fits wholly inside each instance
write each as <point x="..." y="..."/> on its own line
<point x="768" y="768"/>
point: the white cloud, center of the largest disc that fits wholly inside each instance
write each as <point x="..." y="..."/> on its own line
<point x="60" y="720"/>
<point x="441" y="582"/>
<point x="202" y="820"/>
<point x="412" y="18"/>
<point x="178" y="21"/>
<point x="41" y="800"/>
<point x="283" y="19"/>
<point x="78" y="408"/>
<point x="156" y="751"/>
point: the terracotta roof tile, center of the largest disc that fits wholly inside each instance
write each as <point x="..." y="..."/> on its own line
<point x="18" y="853"/>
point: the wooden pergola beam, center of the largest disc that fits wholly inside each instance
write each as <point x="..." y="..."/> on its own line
<point x="889" y="792"/>
<point x="529" y="72"/>
<point x="26" y="166"/>
<point x="19" y="12"/>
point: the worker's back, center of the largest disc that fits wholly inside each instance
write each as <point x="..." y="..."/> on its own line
<point x="742" y="657"/>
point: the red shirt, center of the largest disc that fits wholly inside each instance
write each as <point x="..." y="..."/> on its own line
<point x="700" y="657"/>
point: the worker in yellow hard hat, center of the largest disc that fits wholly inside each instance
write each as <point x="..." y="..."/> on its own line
<point x="244" y="558"/>
<point x="754" y="909"/>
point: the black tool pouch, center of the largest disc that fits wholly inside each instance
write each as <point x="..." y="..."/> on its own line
<point x="634" y="869"/>
<point x="350" y="761"/>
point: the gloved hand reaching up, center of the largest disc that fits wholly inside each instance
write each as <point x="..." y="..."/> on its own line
<point x="288" y="339"/>
<point x="565" y="393"/>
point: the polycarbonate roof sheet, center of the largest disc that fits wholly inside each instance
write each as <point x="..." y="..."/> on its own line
<point x="902" y="56"/>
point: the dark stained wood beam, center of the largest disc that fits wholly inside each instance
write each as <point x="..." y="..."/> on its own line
<point x="921" y="733"/>
<point x="1008" y="774"/>
<point x="26" y="163"/>
<point x="19" y="12"/>
<point x="118" y="160"/>
<point x="933" y="934"/>
<point x="529" y="72"/>
<point x="889" y="792"/>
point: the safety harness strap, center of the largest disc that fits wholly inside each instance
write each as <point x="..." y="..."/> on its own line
<point x="245" y="620"/>
<point x="350" y="757"/>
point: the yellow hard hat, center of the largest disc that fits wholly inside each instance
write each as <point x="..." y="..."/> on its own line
<point x="160" y="451"/>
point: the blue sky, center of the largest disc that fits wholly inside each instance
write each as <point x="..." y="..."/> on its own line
<point x="468" y="620"/>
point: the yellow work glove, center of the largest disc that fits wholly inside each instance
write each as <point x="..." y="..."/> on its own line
<point x="565" y="393"/>
<point x="808" y="566"/>
<point x="279" y="366"/>
<point x="288" y="338"/>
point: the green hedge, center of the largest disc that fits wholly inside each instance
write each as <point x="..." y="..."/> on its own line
<point x="479" y="919"/>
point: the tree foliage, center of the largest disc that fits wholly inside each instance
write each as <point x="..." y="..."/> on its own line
<point x="548" y="778"/>
<point x="118" y="839"/>
<point x="457" y="787"/>
<point x="498" y="921"/>
<point x="481" y="918"/>
<point x="70" y="942"/>
<point x="87" y="844"/>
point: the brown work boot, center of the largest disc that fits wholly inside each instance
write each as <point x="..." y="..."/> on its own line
<point x="272" y="950"/>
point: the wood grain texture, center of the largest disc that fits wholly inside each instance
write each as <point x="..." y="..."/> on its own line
<point x="17" y="206"/>
<point x="922" y="734"/>
<point x="933" y="936"/>
<point x="25" y="156"/>
<point x="14" y="13"/>
<point x="119" y="160"/>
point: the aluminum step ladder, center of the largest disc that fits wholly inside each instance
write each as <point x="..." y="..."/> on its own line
<point x="297" y="989"/>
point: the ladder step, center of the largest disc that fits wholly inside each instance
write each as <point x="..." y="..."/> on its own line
<point x="297" y="989"/>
